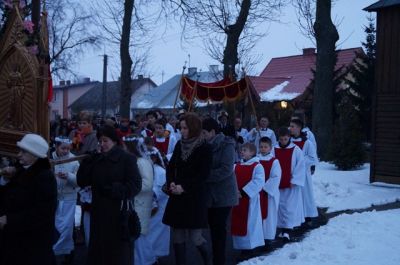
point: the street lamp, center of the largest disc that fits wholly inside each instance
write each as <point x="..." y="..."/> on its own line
<point x="284" y="104"/>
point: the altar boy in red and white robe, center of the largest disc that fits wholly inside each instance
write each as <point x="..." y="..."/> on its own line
<point x="310" y="160"/>
<point x="291" y="159"/>
<point x="246" y="226"/>
<point x="269" y="196"/>
<point x="164" y="141"/>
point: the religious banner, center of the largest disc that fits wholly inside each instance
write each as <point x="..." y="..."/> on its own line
<point x="223" y="90"/>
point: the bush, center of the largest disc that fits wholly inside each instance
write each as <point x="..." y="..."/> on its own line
<point x="346" y="148"/>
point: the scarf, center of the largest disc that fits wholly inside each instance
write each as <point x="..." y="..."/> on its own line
<point x="189" y="145"/>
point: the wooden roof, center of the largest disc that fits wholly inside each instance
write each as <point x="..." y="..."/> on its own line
<point x="382" y="4"/>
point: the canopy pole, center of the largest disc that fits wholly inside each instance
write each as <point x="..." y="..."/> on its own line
<point x="251" y="98"/>
<point x="194" y="94"/>
<point x="179" y="87"/>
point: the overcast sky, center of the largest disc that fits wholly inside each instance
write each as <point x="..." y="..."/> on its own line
<point x="283" y="39"/>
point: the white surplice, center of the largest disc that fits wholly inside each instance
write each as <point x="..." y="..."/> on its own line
<point x="254" y="237"/>
<point x="290" y="213"/>
<point x="310" y="159"/>
<point x="271" y="187"/>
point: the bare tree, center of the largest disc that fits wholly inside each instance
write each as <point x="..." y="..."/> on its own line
<point x="226" y="26"/>
<point x="306" y="17"/>
<point x="69" y="35"/>
<point x="128" y="30"/>
<point x="326" y="36"/>
<point x="126" y="61"/>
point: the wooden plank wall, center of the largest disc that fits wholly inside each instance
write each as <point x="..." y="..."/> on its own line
<point x="385" y="162"/>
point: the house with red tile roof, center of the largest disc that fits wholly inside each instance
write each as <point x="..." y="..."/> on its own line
<point x="286" y="82"/>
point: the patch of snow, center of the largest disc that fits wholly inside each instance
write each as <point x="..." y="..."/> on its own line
<point x="145" y="104"/>
<point x="357" y="239"/>
<point x="276" y="94"/>
<point x="342" y="190"/>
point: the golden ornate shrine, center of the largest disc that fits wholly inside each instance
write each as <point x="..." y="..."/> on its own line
<point x="23" y="83"/>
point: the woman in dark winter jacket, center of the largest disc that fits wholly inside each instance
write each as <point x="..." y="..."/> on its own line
<point x="114" y="177"/>
<point x="188" y="169"/>
<point x="28" y="201"/>
<point x="221" y="186"/>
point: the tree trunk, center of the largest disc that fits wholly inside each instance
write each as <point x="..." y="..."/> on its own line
<point x="230" y="59"/>
<point x="232" y="41"/>
<point x="126" y="61"/>
<point x="326" y="37"/>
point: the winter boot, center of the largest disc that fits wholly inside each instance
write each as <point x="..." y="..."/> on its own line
<point x="180" y="254"/>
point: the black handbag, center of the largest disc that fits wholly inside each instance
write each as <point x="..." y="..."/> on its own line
<point x="130" y="223"/>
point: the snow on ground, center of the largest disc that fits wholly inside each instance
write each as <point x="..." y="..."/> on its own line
<point x="342" y="190"/>
<point x="357" y="239"/>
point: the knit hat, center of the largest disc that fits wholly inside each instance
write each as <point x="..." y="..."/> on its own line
<point x="34" y="144"/>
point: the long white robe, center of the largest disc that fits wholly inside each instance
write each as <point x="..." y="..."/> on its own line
<point x="310" y="159"/>
<point x="86" y="197"/>
<point x="254" y="136"/>
<point x="65" y="216"/>
<point x="243" y="133"/>
<point x="310" y="136"/>
<point x="159" y="233"/>
<point x="65" y="213"/>
<point x="271" y="187"/>
<point x="290" y="213"/>
<point x="143" y="206"/>
<point x="254" y="237"/>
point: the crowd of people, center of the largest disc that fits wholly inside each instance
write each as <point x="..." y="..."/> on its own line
<point x="153" y="181"/>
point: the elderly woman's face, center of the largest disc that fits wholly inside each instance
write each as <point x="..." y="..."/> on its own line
<point x="25" y="158"/>
<point x="105" y="144"/>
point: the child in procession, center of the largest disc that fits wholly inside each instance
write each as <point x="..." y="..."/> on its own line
<point x="159" y="233"/>
<point x="247" y="232"/>
<point x="291" y="159"/>
<point x="299" y="138"/>
<point x="164" y="141"/>
<point x="151" y="117"/>
<point x="66" y="195"/>
<point x="269" y="196"/>
<point x="149" y="149"/>
<point x="261" y="130"/>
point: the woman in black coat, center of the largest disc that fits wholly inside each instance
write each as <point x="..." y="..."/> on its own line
<point x="186" y="210"/>
<point x="114" y="177"/>
<point x="28" y="201"/>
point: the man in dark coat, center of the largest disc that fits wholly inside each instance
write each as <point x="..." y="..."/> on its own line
<point x="28" y="195"/>
<point x="221" y="187"/>
<point x="114" y="177"/>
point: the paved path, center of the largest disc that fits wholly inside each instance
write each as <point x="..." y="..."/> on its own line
<point x="233" y="255"/>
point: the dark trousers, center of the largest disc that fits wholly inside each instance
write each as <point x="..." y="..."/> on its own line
<point x="217" y="221"/>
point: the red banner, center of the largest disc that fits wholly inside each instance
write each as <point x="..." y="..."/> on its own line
<point x="223" y="90"/>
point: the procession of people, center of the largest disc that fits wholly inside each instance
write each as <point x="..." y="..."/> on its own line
<point x="154" y="184"/>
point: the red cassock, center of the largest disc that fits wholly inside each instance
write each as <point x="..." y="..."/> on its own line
<point x="300" y="144"/>
<point x="284" y="155"/>
<point x="162" y="146"/>
<point x="240" y="212"/>
<point x="267" y="165"/>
